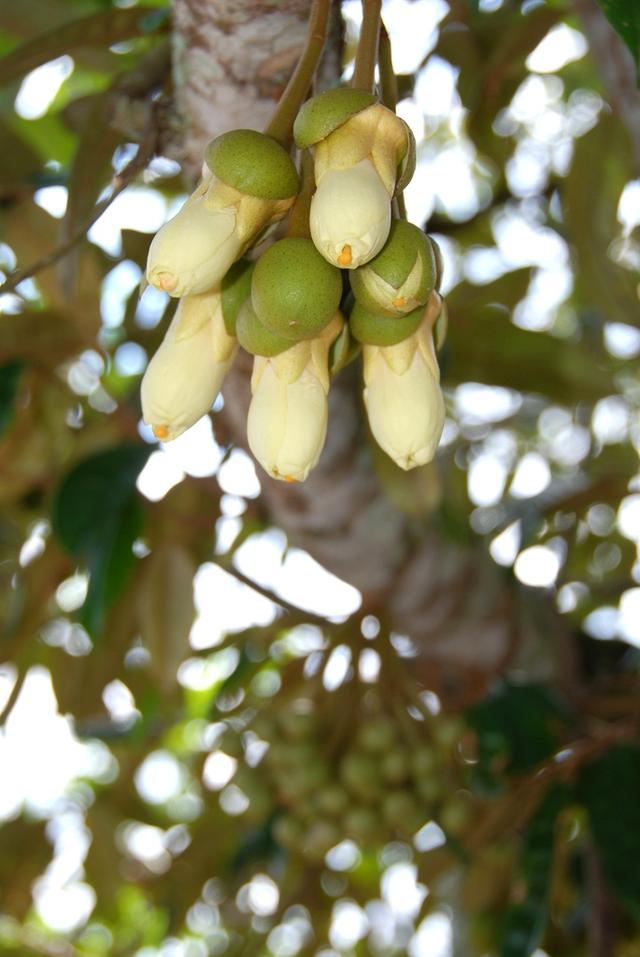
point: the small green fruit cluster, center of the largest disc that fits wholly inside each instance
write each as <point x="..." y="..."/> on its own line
<point x="376" y="788"/>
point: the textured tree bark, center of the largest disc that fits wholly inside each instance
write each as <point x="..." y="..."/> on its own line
<point x="453" y="601"/>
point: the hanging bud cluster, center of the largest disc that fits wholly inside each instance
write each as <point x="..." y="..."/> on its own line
<point x="291" y="306"/>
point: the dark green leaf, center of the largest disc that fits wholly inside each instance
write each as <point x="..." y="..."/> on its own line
<point x="525" y="921"/>
<point x="10" y="373"/>
<point x="96" y="517"/>
<point x="624" y="15"/>
<point x="517" y="727"/>
<point x="101" y="29"/>
<point x="610" y="788"/>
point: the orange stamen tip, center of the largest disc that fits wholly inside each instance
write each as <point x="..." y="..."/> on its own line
<point x="345" y="258"/>
<point x="167" y="282"/>
<point x="290" y="478"/>
<point x="400" y="301"/>
<point x="161" y="431"/>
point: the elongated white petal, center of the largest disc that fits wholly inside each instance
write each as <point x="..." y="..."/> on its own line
<point x="403" y="399"/>
<point x="287" y="421"/>
<point x="185" y="374"/>
<point x="194" y="250"/>
<point x="350" y="215"/>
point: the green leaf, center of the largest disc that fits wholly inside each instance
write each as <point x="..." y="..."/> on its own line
<point x="10" y="373"/>
<point x="483" y="345"/>
<point x="517" y="727"/>
<point x="101" y="30"/>
<point x="610" y="789"/>
<point x="624" y="16"/>
<point x="525" y="921"/>
<point x="97" y="517"/>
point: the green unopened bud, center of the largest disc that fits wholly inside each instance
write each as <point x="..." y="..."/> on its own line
<point x="362" y="823"/>
<point x="437" y="253"/>
<point x="400" y="810"/>
<point x="324" y="113"/>
<point x="294" y="292"/>
<point x="401" y="277"/>
<point x="253" y="163"/>
<point x="235" y="289"/>
<point x="379" y="330"/>
<point x="254" y="337"/>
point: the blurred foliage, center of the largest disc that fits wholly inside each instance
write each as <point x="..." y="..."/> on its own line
<point x="235" y="796"/>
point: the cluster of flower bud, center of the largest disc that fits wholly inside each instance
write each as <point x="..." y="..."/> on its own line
<point x="288" y="307"/>
<point x="320" y="789"/>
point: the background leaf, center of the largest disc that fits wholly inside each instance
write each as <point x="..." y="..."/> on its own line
<point x="10" y="373"/>
<point x="525" y="921"/>
<point x="610" y="788"/>
<point x="97" y="517"/>
<point x="624" y="15"/>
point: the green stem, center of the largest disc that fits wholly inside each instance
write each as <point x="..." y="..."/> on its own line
<point x="389" y="90"/>
<point x="281" y="125"/>
<point x="298" y="224"/>
<point x="388" y="82"/>
<point x="367" y="55"/>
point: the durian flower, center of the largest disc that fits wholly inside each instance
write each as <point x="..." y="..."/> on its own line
<point x="403" y="398"/>
<point x="356" y="168"/>
<point x="249" y="183"/>
<point x="185" y="375"/>
<point x="287" y="421"/>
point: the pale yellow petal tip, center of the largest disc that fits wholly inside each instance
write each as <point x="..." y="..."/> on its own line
<point x="345" y="258"/>
<point x="161" y="432"/>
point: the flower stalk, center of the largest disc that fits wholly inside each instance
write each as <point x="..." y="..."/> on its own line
<point x="281" y="124"/>
<point x="367" y="55"/>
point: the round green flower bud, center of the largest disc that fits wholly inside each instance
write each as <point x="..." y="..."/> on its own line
<point x="327" y="111"/>
<point x="359" y="773"/>
<point x="296" y="725"/>
<point x="235" y="290"/>
<point x="295" y="292"/>
<point x="394" y="766"/>
<point x="287" y="831"/>
<point x="332" y="799"/>
<point x="399" y="809"/>
<point x="253" y="163"/>
<point x="429" y="789"/>
<point x="377" y="330"/>
<point x="437" y="254"/>
<point x="377" y="735"/>
<point x="407" y="165"/>
<point x="255" y="338"/>
<point x="455" y="814"/>
<point x="362" y="823"/>
<point x="321" y="837"/>
<point x="425" y="762"/>
<point x="402" y="275"/>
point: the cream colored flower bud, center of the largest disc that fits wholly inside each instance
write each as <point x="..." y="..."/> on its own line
<point x="287" y="421"/>
<point x="194" y="250"/>
<point x="403" y="398"/>
<point x="350" y="215"/>
<point x="185" y="374"/>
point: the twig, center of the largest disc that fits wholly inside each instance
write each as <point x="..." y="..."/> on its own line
<point x="119" y="182"/>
